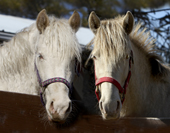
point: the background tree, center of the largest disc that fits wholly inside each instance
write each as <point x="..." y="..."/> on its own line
<point x="103" y="8"/>
<point x="159" y="26"/>
<point x="30" y="8"/>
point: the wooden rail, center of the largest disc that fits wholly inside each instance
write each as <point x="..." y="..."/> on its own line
<point x="24" y="113"/>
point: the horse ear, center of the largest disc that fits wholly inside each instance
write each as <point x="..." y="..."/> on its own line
<point x="74" y="21"/>
<point x="128" y="22"/>
<point x="42" y="21"/>
<point x="94" y="22"/>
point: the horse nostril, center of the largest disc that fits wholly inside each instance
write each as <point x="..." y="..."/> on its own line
<point x="52" y="107"/>
<point x="69" y="107"/>
<point x="101" y="107"/>
<point x="118" y="105"/>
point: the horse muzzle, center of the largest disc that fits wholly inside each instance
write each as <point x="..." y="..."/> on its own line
<point x="110" y="109"/>
<point x="59" y="113"/>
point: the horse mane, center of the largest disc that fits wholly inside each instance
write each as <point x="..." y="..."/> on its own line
<point x="111" y="29"/>
<point x="142" y="39"/>
<point x="16" y="51"/>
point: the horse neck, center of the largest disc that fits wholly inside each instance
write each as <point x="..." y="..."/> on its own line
<point x="140" y="71"/>
<point x="143" y="91"/>
<point x="17" y="58"/>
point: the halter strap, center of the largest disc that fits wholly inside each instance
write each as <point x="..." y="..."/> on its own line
<point x="110" y="80"/>
<point x="56" y="79"/>
<point x="122" y="90"/>
<point x="50" y="81"/>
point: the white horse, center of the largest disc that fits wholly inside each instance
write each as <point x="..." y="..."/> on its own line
<point x="42" y="58"/>
<point x="131" y="79"/>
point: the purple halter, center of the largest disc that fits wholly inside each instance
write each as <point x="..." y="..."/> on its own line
<point x="50" y="81"/>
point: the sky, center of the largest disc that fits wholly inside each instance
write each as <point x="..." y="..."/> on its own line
<point x="156" y="23"/>
<point x="158" y="14"/>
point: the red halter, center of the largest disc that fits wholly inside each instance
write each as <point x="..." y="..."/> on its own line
<point x="122" y="90"/>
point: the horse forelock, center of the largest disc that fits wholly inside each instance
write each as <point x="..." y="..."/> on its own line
<point x="111" y="40"/>
<point x="62" y="39"/>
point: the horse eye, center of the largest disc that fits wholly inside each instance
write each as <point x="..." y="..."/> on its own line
<point x="93" y="57"/>
<point x="40" y="56"/>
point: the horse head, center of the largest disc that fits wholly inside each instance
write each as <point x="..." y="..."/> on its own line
<point x="56" y="54"/>
<point x="112" y="58"/>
